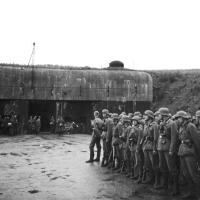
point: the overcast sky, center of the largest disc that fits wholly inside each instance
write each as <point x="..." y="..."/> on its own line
<point x="151" y="34"/>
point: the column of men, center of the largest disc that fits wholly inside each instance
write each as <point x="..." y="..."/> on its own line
<point x="154" y="148"/>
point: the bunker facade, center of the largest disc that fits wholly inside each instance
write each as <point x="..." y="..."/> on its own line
<point x="73" y="93"/>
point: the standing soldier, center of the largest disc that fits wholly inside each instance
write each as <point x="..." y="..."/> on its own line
<point x="1" y="125"/>
<point x="126" y="165"/>
<point x="167" y="151"/>
<point x="189" y="153"/>
<point x="38" y="125"/>
<point x="116" y="142"/>
<point x="135" y="137"/>
<point x="96" y="138"/>
<point x="150" y="137"/>
<point x="197" y="121"/>
<point x="106" y="137"/>
<point x="52" y="125"/>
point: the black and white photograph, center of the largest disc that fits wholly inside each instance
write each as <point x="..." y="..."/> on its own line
<point x="99" y="100"/>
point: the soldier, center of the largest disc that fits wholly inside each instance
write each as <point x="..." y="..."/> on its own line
<point x="135" y="137"/>
<point x="149" y="141"/>
<point x="29" y="124"/>
<point x="116" y="142"/>
<point x="11" y="125"/>
<point x="137" y="113"/>
<point x="38" y="125"/>
<point x="15" y="124"/>
<point x="1" y="125"/>
<point x="106" y="137"/>
<point x="97" y="124"/>
<point x="52" y="125"/>
<point x="197" y="121"/>
<point x="189" y="153"/>
<point x="167" y="151"/>
<point x="126" y="165"/>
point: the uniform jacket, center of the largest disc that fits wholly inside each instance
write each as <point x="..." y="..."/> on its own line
<point x="117" y="132"/>
<point x="190" y="141"/>
<point x="150" y="136"/>
<point x="97" y="123"/>
<point x="125" y="135"/>
<point x="135" y="137"/>
<point x="108" y="124"/>
<point x="168" y="136"/>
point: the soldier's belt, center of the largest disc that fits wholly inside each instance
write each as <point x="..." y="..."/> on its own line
<point x="149" y="139"/>
<point x="186" y="142"/>
<point x="165" y="136"/>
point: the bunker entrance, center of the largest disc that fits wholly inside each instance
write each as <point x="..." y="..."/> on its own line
<point x="45" y="109"/>
<point x="79" y="112"/>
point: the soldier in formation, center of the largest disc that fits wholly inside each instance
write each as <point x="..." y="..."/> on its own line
<point x="9" y="125"/>
<point x="153" y="148"/>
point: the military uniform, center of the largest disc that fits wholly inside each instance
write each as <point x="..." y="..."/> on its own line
<point x="107" y="139"/>
<point x="150" y="136"/>
<point x="167" y="151"/>
<point x="116" y="144"/>
<point x="189" y="155"/>
<point x="96" y="138"/>
<point x="52" y="125"/>
<point x="135" y="137"/>
<point x="198" y="121"/>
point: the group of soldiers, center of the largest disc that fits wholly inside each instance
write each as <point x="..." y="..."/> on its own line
<point x="34" y="125"/>
<point x="60" y="126"/>
<point x="154" y="148"/>
<point x="9" y="124"/>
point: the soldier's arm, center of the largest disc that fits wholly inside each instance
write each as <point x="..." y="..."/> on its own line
<point x="156" y="133"/>
<point x="194" y="135"/>
<point x="174" y="138"/>
<point x="140" y="135"/>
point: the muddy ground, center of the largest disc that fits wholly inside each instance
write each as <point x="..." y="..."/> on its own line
<point x="53" y="167"/>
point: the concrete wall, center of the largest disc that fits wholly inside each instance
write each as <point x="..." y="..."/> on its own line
<point x="48" y="83"/>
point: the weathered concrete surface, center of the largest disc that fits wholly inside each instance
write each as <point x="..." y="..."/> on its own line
<point x="52" y="167"/>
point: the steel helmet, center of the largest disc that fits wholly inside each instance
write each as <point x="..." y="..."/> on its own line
<point x="182" y="114"/>
<point x="156" y="113"/>
<point x="149" y="113"/>
<point x="136" y="118"/>
<point x="96" y="113"/>
<point x="137" y="113"/>
<point x="115" y="116"/>
<point x="198" y="113"/>
<point x="164" y="111"/>
<point x="126" y="119"/>
<point x="105" y="111"/>
<point x="130" y="115"/>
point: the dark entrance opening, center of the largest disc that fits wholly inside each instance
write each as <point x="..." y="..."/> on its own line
<point x="45" y="109"/>
<point x="80" y="112"/>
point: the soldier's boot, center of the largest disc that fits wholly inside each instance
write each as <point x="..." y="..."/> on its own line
<point x="132" y="173"/>
<point x="117" y="165"/>
<point x="91" y="157"/>
<point x="149" y="177"/>
<point x="139" y="180"/>
<point x="111" y="165"/>
<point x="128" y="169"/>
<point x="140" y="175"/>
<point x="97" y="159"/>
<point x="163" y="181"/>
<point x="144" y="175"/>
<point x="157" y="179"/>
<point x="175" y="186"/>
<point x="123" y="167"/>
<point x="103" y="162"/>
<point x="191" y="193"/>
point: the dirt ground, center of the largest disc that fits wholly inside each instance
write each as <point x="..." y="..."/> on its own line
<point x="53" y="167"/>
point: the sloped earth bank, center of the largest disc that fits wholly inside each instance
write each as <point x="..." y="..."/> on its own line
<point x="52" y="167"/>
<point x="176" y="89"/>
